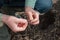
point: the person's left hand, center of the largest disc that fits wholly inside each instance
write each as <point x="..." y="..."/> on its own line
<point x="33" y="16"/>
<point x="14" y="23"/>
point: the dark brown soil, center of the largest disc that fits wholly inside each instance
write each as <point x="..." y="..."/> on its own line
<point x="48" y="29"/>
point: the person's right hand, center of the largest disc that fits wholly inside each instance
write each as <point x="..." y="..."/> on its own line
<point x="32" y="15"/>
<point x="13" y="23"/>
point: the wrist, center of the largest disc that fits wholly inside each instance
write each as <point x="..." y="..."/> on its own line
<point x="4" y="18"/>
<point x="27" y="8"/>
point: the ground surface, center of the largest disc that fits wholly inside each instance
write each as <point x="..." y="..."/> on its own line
<point x="51" y="32"/>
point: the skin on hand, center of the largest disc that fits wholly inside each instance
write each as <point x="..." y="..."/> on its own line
<point x="33" y="16"/>
<point x="13" y="22"/>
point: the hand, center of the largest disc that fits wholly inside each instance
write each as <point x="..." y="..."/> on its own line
<point x="33" y="16"/>
<point x="13" y="23"/>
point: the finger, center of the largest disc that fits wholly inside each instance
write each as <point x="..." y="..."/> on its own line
<point x="30" y="15"/>
<point x="14" y="27"/>
<point x="24" y="27"/>
<point x="23" y="24"/>
<point x="35" y="20"/>
<point x="26" y="24"/>
<point x="36" y="17"/>
<point x="36" y="23"/>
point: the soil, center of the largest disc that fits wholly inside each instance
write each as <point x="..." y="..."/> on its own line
<point x="48" y="29"/>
